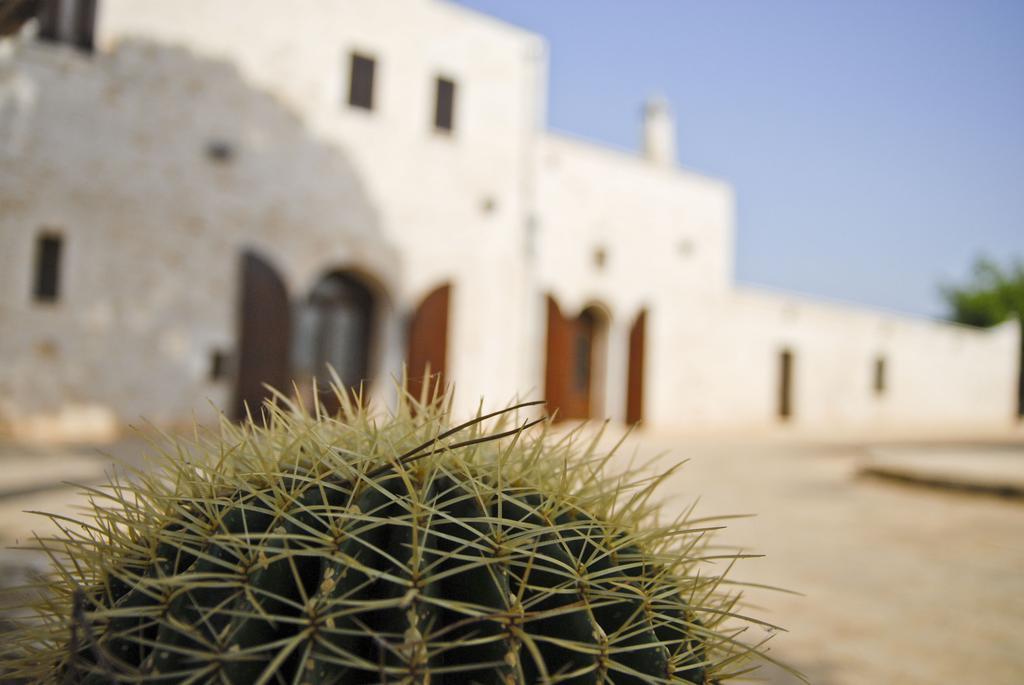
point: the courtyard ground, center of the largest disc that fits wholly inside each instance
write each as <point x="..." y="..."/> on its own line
<point x="900" y="583"/>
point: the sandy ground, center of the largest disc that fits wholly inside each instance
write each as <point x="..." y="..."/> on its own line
<point x="900" y="584"/>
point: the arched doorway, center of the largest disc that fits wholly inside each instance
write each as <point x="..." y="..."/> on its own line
<point x="428" y="343"/>
<point x="635" y="373"/>
<point x="336" y="326"/>
<point x="264" y="335"/>
<point x="574" y="366"/>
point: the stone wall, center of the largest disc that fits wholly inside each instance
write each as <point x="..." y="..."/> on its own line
<point x="117" y="160"/>
<point x="456" y="204"/>
<point x="200" y="130"/>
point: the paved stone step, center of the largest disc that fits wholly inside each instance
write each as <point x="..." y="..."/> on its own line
<point x="982" y="469"/>
<point x="31" y="472"/>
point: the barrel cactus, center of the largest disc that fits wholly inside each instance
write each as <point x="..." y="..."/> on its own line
<point x="311" y="549"/>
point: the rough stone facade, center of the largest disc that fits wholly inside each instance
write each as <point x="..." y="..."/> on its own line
<point x="199" y="131"/>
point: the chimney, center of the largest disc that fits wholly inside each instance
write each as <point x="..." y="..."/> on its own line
<point x="659" y="132"/>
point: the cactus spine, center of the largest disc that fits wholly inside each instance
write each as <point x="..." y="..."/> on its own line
<point x="341" y="550"/>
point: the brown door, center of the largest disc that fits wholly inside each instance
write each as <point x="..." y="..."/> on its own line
<point x="428" y="344"/>
<point x="635" y="378"/>
<point x="264" y="335"/>
<point x="569" y="363"/>
<point x="555" y="366"/>
<point x="785" y="385"/>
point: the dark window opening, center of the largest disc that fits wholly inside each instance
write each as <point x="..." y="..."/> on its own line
<point x="68" y="21"/>
<point x="785" y="407"/>
<point x="360" y="90"/>
<point x="581" y="370"/>
<point x="583" y="343"/>
<point x="444" y="106"/>
<point x="219" y="362"/>
<point x="879" y="376"/>
<point x="47" y="274"/>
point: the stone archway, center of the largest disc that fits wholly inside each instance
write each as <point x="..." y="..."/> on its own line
<point x="428" y="344"/>
<point x="264" y="336"/>
<point x="574" y="367"/>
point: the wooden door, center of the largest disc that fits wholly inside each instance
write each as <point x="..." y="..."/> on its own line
<point x="555" y="366"/>
<point x="428" y="344"/>
<point x="635" y="373"/>
<point x="569" y="364"/>
<point x="264" y="335"/>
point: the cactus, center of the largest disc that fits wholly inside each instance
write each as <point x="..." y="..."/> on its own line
<point x="315" y="549"/>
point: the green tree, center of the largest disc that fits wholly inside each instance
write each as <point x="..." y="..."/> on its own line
<point x="992" y="295"/>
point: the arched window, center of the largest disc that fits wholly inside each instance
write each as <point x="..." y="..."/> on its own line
<point x="335" y="329"/>
<point x="338" y="323"/>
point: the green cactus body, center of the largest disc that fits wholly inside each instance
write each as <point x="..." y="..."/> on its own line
<point x="311" y="553"/>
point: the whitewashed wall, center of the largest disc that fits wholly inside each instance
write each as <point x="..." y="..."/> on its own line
<point x="453" y="204"/>
<point x="719" y="366"/>
<point x="666" y="235"/>
<point x="110" y="151"/>
<point x="114" y="160"/>
<point x="118" y="139"/>
<point x="712" y="352"/>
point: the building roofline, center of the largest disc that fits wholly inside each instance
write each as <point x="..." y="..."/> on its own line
<point x="622" y="153"/>
<point x="489" y="18"/>
<point x="879" y="311"/>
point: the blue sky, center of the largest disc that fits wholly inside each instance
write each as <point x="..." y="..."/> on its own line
<point x="876" y="146"/>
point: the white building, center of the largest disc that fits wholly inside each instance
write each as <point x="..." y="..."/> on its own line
<point x="201" y="196"/>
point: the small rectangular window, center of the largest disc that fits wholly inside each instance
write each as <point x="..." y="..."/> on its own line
<point x="47" y="273"/>
<point x="72" y="22"/>
<point x="444" y="109"/>
<point x="360" y="90"/>
<point x="785" y="406"/>
<point x="85" y="24"/>
<point x="218" y="365"/>
<point x="49" y="16"/>
<point x="879" y="379"/>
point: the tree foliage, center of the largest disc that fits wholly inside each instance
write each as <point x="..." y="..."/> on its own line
<point x="993" y="294"/>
